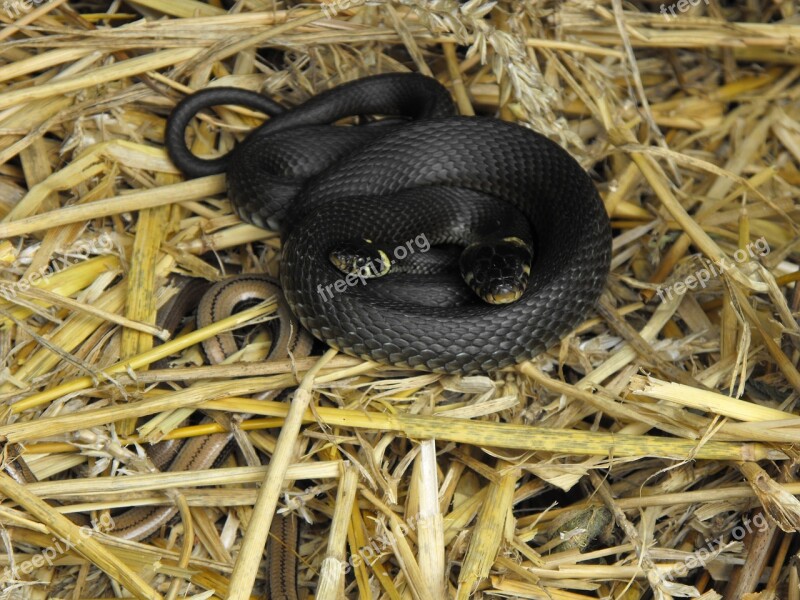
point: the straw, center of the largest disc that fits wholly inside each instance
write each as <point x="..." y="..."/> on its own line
<point x="671" y="410"/>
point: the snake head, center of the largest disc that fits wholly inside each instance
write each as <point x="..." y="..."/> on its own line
<point x="360" y="257"/>
<point x="497" y="270"/>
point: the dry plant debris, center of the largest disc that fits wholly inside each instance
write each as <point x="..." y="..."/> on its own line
<point x="650" y="455"/>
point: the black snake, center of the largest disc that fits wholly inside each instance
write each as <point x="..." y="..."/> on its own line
<point x="420" y="173"/>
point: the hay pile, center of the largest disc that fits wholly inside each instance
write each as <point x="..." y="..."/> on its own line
<point x="650" y="455"/>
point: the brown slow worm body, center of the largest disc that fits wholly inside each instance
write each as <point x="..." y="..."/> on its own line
<point x="205" y="452"/>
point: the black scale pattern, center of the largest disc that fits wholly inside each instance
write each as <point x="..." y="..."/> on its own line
<point x="395" y="182"/>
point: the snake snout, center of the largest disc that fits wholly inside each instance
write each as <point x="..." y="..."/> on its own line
<point x="497" y="270"/>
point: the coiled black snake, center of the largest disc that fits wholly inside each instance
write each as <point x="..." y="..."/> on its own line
<point x="423" y="173"/>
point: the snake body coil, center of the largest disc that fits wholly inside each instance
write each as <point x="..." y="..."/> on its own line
<point x="431" y="174"/>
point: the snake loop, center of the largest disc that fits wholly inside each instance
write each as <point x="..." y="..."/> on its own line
<point x="423" y="171"/>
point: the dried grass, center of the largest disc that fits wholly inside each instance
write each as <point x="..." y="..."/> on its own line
<point x="600" y="469"/>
